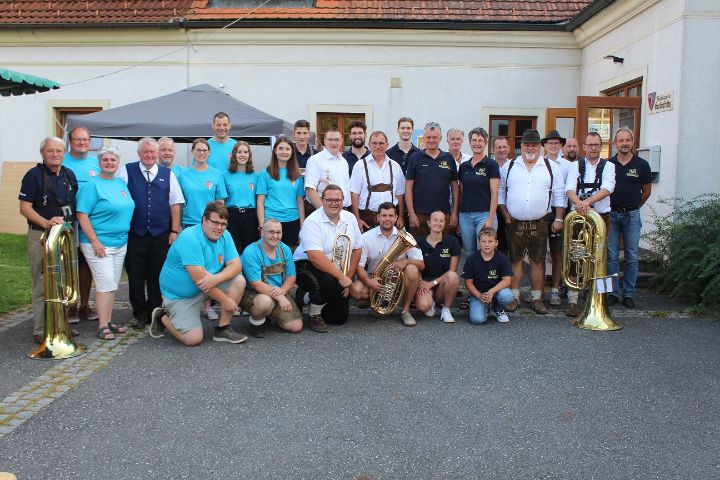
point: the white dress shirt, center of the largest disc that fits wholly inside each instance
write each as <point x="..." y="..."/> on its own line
<point x="359" y="183"/>
<point x="607" y="181"/>
<point x="525" y="193"/>
<point x="326" y="166"/>
<point x="564" y="166"/>
<point x="375" y="245"/>
<point x="318" y="232"/>
<point x="176" y="195"/>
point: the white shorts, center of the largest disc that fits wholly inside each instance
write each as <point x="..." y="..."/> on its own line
<point x="106" y="270"/>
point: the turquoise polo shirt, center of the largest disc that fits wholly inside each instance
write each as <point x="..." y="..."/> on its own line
<point x="254" y="258"/>
<point x="110" y="207"/>
<point x="192" y="248"/>
<point x="220" y="153"/>
<point x="281" y="195"/>
<point x="84" y="170"/>
<point x="199" y="189"/>
<point x="241" y="187"/>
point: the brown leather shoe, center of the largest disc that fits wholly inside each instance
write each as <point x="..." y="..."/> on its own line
<point x="572" y="310"/>
<point x="317" y="324"/>
<point x="512" y="306"/>
<point x="539" y="307"/>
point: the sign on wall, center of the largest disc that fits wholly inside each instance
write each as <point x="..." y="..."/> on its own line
<point x="660" y="102"/>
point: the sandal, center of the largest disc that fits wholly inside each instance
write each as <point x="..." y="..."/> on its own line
<point x="105" y="333"/>
<point x="116" y="328"/>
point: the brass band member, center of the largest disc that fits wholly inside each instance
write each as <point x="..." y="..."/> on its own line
<point x="375" y="244"/>
<point x="269" y="269"/>
<point x="377" y="179"/>
<point x="329" y="242"/>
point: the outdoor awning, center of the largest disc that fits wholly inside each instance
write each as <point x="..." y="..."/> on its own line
<point x="17" y="83"/>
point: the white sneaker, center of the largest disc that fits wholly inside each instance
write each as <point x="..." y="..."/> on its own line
<point x="431" y="312"/>
<point x="211" y="314"/>
<point x="502" y="316"/>
<point x="446" y="315"/>
<point x="555" y="298"/>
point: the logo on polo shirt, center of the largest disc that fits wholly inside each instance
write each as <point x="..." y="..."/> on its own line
<point x="252" y="186"/>
<point x="445" y="253"/>
<point x="632" y="173"/>
<point x="481" y="172"/>
<point x="220" y="259"/>
<point x="91" y="173"/>
<point x="444" y="164"/>
<point x="208" y="185"/>
<point x="492" y="275"/>
<point x="123" y="193"/>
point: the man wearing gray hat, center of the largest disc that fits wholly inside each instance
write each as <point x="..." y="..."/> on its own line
<point x="530" y="186"/>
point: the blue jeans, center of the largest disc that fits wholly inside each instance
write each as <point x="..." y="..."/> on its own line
<point x="479" y="310"/>
<point x="627" y="225"/>
<point x="470" y="225"/>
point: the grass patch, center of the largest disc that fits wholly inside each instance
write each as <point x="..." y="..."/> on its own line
<point x="15" y="281"/>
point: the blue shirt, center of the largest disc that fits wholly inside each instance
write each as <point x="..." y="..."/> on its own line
<point x="240" y="187"/>
<point x="200" y="188"/>
<point x="192" y="248"/>
<point x="437" y="258"/>
<point x="109" y="206"/>
<point x="402" y="158"/>
<point x="629" y="180"/>
<point x="280" y="195"/>
<point x="47" y="200"/>
<point x="432" y="177"/>
<point x="177" y="170"/>
<point x="475" y="183"/>
<point x="220" y="153"/>
<point x="254" y="258"/>
<point x="84" y="170"/>
<point x="487" y="273"/>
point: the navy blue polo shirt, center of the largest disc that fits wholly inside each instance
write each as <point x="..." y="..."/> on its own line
<point x="59" y="190"/>
<point x="487" y="273"/>
<point x="352" y="158"/>
<point x="475" y="182"/>
<point x="437" y="258"/>
<point x="302" y="158"/>
<point x="628" y="182"/>
<point x="397" y="154"/>
<point x="432" y="177"/>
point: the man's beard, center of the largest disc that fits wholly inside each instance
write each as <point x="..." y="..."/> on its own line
<point x="572" y="156"/>
<point x="358" y="142"/>
<point x="530" y="157"/>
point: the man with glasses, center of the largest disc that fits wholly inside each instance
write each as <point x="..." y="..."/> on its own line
<point x="328" y="167"/>
<point x="154" y="227"/>
<point x="202" y="263"/>
<point x="376" y="180"/>
<point x="590" y="181"/>
<point x="318" y="272"/>
<point x="84" y="166"/>
<point x="530" y="186"/>
<point x="430" y="180"/>
<point x="269" y="270"/>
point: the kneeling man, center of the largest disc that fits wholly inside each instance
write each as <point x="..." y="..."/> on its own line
<point x="375" y="243"/>
<point x="203" y="262"/>
<point x="270" y="272"/>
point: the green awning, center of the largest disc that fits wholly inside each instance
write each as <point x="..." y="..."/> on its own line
<point x="16" y="83"/>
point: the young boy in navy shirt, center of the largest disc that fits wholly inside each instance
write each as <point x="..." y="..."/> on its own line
<point x="487" y="275"/>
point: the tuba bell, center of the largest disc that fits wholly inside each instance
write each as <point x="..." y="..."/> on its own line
<point x="60" y="279"/>
<point x="392" y="282"/>
<point x="583" y="263"/>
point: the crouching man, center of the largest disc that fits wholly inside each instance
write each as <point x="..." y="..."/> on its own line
<point x="375" y="244"/>
<point x="203" y="262"/>
<point x="270" y="271"/>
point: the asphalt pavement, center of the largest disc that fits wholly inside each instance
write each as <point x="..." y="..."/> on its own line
<point x="532" y="399"/>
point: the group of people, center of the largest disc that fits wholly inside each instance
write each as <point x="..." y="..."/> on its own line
<point x="319" y="222"/>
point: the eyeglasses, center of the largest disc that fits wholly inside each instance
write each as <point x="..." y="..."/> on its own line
<point x="333" y="200"/>
<point x="201" y="150"/>
<point x="273" y="233"/>
<point x="332" y="139"/>
<point x="217" y="224"/>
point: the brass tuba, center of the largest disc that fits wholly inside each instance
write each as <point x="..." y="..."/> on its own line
<point x="583" y="263"/>
<point x="392" y="282"/>
<point x="60" y="278"/>
<point x="341" y="252"/>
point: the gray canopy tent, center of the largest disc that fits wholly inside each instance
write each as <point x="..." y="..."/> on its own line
<point x="183" y="116"/>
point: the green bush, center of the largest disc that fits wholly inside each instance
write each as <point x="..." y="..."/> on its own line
<point x="687" y="240"/>
<point x="15" y="282"/>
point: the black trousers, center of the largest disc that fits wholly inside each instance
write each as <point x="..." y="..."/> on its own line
<point x="243" y="227"/>
<point x="143" y="261"/>
<point x="323" y="289"/>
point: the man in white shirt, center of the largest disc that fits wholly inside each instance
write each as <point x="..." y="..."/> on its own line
<point x="377" y="179"/>
<point x="375" y="244"/>
<point x="318" y="272"/>
<point x="590" y="181"/>
<point x="552" y="143"/>
<point x="327" y="167"/>
<point x="530" y="186"/>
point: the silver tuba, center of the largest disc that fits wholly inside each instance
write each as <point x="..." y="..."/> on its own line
<point x="392" y="282"/>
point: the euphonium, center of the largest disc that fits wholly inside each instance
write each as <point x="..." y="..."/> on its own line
<point x="583" y="263"/>
<point x="392" y="282"/>
<point x="60" y="278"/>
<point x="341" y="252"/>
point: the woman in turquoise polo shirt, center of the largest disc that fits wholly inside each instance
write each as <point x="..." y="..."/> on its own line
<point x="200" y="183"/>
<point x="104" y="211"/>
<point x="241" y="181"/>
<point x="281" y="191"/>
